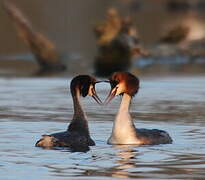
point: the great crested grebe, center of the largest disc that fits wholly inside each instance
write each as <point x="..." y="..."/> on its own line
<point x="77" y="134"/>
<point x="124" y="131"/>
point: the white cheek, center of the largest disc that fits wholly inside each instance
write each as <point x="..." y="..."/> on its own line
<point x="120" y="89"/>
<point x="90" y="93"/>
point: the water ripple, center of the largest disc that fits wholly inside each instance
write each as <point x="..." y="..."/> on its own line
<point x="32" y="107"/>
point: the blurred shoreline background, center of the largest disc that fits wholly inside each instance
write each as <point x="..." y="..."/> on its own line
<point x="69" y="25"/>
<point x="169" y="37"/>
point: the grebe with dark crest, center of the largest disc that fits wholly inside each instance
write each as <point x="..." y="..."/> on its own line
<point x="77" y="135"/>
<point x="124" y="131"/>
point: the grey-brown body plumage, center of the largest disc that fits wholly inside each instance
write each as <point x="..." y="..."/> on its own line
<point x="77" y="135"/>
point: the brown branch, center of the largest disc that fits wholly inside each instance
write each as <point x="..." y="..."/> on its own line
<point x="44" y="50"/>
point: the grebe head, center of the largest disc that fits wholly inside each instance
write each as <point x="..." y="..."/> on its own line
<point x="85" y="84"/>
<point x="122" y="82"/>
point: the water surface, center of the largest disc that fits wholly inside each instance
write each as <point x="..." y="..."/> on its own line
<point x="30" y="107"/>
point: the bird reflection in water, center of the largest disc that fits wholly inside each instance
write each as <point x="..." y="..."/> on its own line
<point x="126" y="154"/>
<point x="126" y="160"/>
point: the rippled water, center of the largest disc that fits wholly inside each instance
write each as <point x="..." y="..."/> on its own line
<point x="32" y="107"/>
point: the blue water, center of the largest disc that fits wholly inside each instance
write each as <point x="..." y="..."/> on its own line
<point x="30" y="107"/>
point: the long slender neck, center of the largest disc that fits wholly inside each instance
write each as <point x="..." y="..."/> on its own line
<point x="78" y="110"/>
<point x="125" y="104"/>
<point x="123" y="127"/>
<point x="79" y="122"/>
<point x="123" y="116"/>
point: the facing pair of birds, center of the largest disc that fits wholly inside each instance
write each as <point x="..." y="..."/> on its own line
<point x="124" y="132"/>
